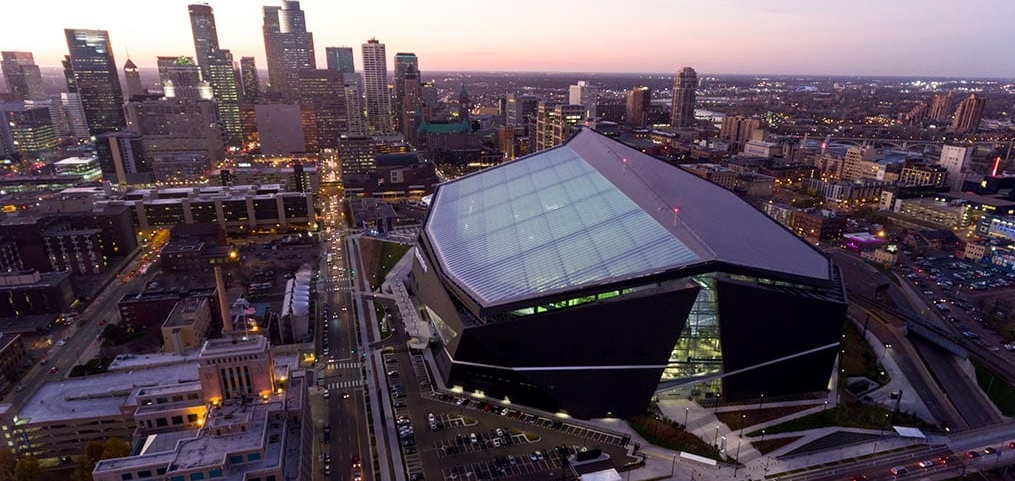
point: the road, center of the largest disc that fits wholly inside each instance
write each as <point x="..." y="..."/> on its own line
<point x="950" y="395"/>
<point x="81" y="342"/>
<point x="340" y="370"/>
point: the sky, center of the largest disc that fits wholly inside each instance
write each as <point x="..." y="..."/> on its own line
<point x="927" y="38"/>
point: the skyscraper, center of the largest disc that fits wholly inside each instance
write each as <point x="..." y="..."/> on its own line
<point x="24" y="81"/>
<point x="412" y="91"/>
<point x="375" y="79"/>
<point x="968" y="115"/>
<point x="133" y="78"/>
<point x="216" y="67"/>
<point x="251" y="85"/>
<point x="226" y="92"/>
<point x="288" y="46"/>
<point x="340" y="59"/>
<point x="584" y="94"/>
<point x="941" y="107"/>
<point x="94" y="70"/>
<point x="404" y="62"/>
<point x="638" y="101"/>
<point x="682" y="114"/>
<point x="180" y="77"/>
<point x="206" y="39"/>
<point x="322" y="108"/>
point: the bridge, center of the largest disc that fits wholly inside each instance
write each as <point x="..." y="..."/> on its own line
<point x="898" y="144"/>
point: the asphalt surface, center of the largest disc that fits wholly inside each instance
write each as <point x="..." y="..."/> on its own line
<point x="951" y="396"/>
<point x="79" y="339"/>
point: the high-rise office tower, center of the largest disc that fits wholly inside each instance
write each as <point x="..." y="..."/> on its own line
<point x="180" y="77"/>
<point x="404" y="62"/>
<point x="682" y="114"/>
<point x="941" y="107"/>
<point x="584" y="94"/>
<point x="428" y="101"/>
<point x="24" y="81"/>
<point x="225" y="91"/>
<point x="340" y="59"/>
<point x="968" y="115"/>
<point x="206" y="39"/>
<point x="555" y="122"/>
<point x="322" y="108"/>
<point x="216" y="67"/>
<point x="375" y="80"/>
<point x="74" y="114"/>
<point x="248" y="73"/>
<point x="412" y="91"/>
<point x="737" y="130"/>
<point x="26" y="131"/>
<point x="91" y="58"/>
<point x="354" y="109"/>
<point x="288" y="46"/>
<point x="639" y="99"/>
<point x="520" y="109"/>
<point x="133" y="78"/>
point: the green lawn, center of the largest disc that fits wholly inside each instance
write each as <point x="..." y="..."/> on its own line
<point x="858" y="358"/>
<point x="668" y="435"/>
<point x="850" y="415"/>
<point x="391" y="253"/>
<point x="1000" y="392"/>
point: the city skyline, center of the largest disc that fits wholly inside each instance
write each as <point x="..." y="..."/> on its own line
<point x="904" y="38"/>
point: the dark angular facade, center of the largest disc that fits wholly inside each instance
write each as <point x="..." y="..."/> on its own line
<point x="588" y="277"/>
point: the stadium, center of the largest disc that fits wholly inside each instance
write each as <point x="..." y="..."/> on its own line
<point x="590" y="277"/>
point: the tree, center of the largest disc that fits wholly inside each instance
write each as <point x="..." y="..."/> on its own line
<point x="27" y="469"/>
<point x="115" y="448"/>
<point x="95" y="451"/>
<point x="7" y="463"/>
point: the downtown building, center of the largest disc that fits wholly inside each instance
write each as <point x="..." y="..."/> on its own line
<point x="235" y="208"/>
<point x="288" y="47"/>
<point x="588" y="277"/>
<point x="682" y="106"/>
<point x="375" y="85"/>
<point x="230" y="410"/>
<point x="23" y="77"/>
<point x="95" y="79"/>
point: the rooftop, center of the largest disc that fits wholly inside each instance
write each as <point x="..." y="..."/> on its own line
<point x="98" y="396"/>
<point x="592" y="211"/>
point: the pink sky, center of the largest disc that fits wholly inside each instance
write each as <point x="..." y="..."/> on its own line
<point x="860" y="37"/>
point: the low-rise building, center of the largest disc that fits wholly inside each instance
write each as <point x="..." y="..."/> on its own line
<point x="187" y="325"/>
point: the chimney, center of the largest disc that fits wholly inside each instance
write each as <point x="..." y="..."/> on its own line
<point x="220" y="291"/>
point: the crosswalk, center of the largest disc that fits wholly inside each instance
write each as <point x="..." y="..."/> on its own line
<point x="344" y="365"/>
<point x="345" y="384"/>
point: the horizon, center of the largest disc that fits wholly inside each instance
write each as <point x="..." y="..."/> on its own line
<point x="900" y="39"/>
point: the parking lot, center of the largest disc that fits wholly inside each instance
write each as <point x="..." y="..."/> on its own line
<point x="448" y="437"/>
<point x="959" y="290"/>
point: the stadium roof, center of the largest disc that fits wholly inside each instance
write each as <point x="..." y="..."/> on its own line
<point x="594" y="211"/>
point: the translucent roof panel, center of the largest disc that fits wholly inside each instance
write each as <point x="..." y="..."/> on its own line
<point x="547" y="223"/>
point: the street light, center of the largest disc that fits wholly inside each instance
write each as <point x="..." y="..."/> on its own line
<point x="715" y="440"/>
<point x="686" y="410"/>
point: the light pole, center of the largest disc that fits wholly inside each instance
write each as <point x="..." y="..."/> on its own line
<point x="715" y="440"/>
<point x="882" y="433"/>
<point x="673" y="469"/>
<point x="736" y="461"/>
<point x="686" y="410"/>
